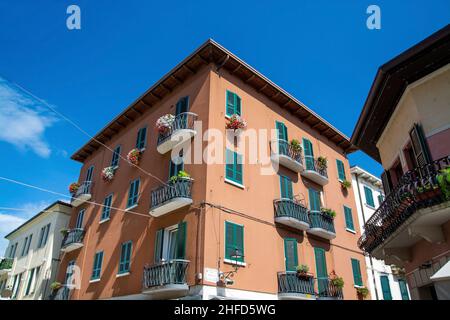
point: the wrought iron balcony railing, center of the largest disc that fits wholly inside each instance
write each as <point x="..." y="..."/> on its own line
<point x="85" y="188"/>
<point x="416" y="189"/>
<point x="292" y="209"/>
<point x="6" y="263"/>
<point x="321" y="220"/>
<point x="165" y="273"/>
<point x="290" y="282"/>
<point x="313" y="165"/>
<point x="73" y="236"/>
<point x="326" y="289"/>
<point x="63" y="293"/>
<point x="184" y="120"/>
<point x="286" y="149"/>
<point x="181" y="188"/>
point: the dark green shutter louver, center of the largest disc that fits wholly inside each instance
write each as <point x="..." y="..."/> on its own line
<point x="341" y="170"/>
<point x="233" y="104"/>
<point x="348" y="218"/>
<point x="386" y="288"/>
<point x="234" y="241"/>
<point x="419" y="145"/>
<point x="387" y="184"/>
<point x="403" y="289"/>
<point x="286" y="187"/>
<point x="369" y="196"/>
<point x="158" y="246"/>
<point x="357" y="278"/>
<point x="181" y="241"/>
<point x="290" y="253"/>
<point x="233" y="166"/>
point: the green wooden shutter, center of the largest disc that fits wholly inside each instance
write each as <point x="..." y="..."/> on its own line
<point x="233" y="166"/>
<point x="314" y="200"/>
<point x="369" y="196"/>
<point x="30" y="280"/>
<point x="357" y="279"/>
<point x="419" y="145"/>
<point x="282" y="131"/>
<point x="290" y="254"/>
<point x="158" y="246"/>
<point x="181" y="241"/>
<point x="141" y="138"/>
<point x="130" y="195"/>
<point x="385" y="287"/>
<point x="238" y="167"/>
<point x="237" y="109"/>
<point x="309" y="154"/>
<point x="321" y="269"/>
<point x="403" y="289"/>
<point x="387" y="184"/>
<point x="234" y="240"/>
<point x="341" y="170"/>
<point x="229" y="165"/>
<point x="230" y="103"/>
<point x="348" y="218"/>
<point x="286" y="187"/>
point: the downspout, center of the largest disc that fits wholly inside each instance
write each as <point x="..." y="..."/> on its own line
<point x="364" y="221"/>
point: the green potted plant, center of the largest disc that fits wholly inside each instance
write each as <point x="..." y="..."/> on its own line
<point x="296" y="146"/>
<point x="443" y="180"/>
<point x="329" y="212"/>
<point x="362" y="292"/>
<point x="64" y="232"/>
<point x="336" y="281"/>
<point x="55" y="285"/>
<point x="303" y="271"/>
<point x="322" y="163"/>
<point x="181" y="175"/>
<point x="346" y="184"/>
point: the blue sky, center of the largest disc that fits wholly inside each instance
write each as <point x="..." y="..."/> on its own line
<point x="320" y="51"/>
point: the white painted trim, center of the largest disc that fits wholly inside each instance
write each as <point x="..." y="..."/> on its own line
<point x="122" y="274"/>
<point x="94" y="281"/>
<point x="132" y="207"/>
<point x="350" y="230"/>
<point x="235" y="183"/>
<point x="239" y="263"/>
<point x="104" y="220"/>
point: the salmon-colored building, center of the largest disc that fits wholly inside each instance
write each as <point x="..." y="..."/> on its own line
<point x="405" y="125"/>
<point x="214" y="229"/>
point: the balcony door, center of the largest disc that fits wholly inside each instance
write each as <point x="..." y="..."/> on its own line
<point x="309" y="154"/>
<point x="170" y="243"/>
<point x="181" y="108"/>
<point x="80" y="218"/>
<point x="282" y="135"/>
<point x="321" y="270"/>
<point x="89" y="173"/>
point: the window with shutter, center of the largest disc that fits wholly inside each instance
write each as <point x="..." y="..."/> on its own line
<point x="158" y="245"/>
<point x="97" y="268"/>
<point x="348" y="218"/>
<point x="181" y="241"/>
<point x="386" y="288"/>
<point x="115" y="157"/>
<point x="314" y="200"/>
<point x="106" y="210"/>
<point x="89" y="173"/>
<point x="369" y="197"/>
<point x="177" y="166"/>
<point x="125" y="257"/>
<point x="234" y="242"/>
<point x="182" y="106"/>
<point x="309" y="154"/>
<point x="386" y="180"/>
<point x="141" y="139"/>
<point x="321" y="270"/>
<point x="233" y="166"/>
<point x="341" y="170"/>
<point x="233" y="104"/>
<point x="133" y="193"/>
<point x="286" y="187"/>
<point x="357" y="278"/>
<point x="80" y="218"/>
<point x="403" y="289"/>
<point x="419" y="145"/>
<point x="290" y="254"/>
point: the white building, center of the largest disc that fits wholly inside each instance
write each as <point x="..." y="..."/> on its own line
<point x="385" y="283"/>
<point x="34" y="248"/>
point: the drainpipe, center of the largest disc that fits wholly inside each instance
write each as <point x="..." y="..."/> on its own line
<point x="364" y="221"/>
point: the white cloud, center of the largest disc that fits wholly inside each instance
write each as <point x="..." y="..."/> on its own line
<point x="10" y="220"/>
<point x="23" y="120"/>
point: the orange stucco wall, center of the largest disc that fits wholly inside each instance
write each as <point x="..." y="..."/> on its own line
<point x="263" y="240"/>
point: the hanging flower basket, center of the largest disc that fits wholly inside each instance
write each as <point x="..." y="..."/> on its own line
<point x="107" y="174"/>
<point x="346" y="184"/>
<point x="73" y="187"/>
<point x="164" y="123"/>
<point x="133" y="156"/>
<point x="329" y="212"/>
<point x="235" y="122"/>
<point x="55" y="285"/>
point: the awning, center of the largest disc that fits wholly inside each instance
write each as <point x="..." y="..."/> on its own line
<point x="442" y="274"/>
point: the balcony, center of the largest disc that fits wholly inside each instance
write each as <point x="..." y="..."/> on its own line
<point x="6" y="265"/>
<point x="170" y="197"/>
<point x="414" y="210"/>
<point x="73" y="240"/>
<point x="181" y="130"/>
<point x="328" y="291"/>
<point x="313" y="171"/>
<point x="284" y="154"/>
<point x="322" y="225"/>
<point x="63" y="293"/>
<point x="166" y="280"/>
<point x="291" y="213"/>
<point x="82" y="195"/>
<point x="293" y="287"/>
